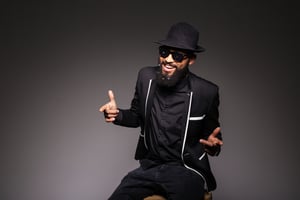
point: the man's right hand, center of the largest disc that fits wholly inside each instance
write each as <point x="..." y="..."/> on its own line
<point x="110" y="109"/>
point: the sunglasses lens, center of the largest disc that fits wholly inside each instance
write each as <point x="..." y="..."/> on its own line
<point x="164" y="52"/>
<point x="178" y="57"/>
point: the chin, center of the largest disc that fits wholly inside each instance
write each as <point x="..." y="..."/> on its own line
<point x="168" y="74"/>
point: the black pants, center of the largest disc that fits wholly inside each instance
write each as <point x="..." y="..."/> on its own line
<point x="173" y="181"/>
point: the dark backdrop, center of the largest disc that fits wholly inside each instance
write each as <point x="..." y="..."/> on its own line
<point x="58" y="59"/>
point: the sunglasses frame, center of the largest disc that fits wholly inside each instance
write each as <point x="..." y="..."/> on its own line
<point x="177" y="56"/>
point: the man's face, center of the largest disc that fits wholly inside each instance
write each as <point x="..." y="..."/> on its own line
<point x="173" y="60"/>
<point x="173" y="66"/>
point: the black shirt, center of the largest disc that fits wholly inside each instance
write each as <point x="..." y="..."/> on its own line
<point x="167" y="122"/>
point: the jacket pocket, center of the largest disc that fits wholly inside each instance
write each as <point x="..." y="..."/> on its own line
<point x="197" y="118"/>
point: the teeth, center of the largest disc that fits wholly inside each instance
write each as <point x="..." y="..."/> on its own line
<point x="169" y="67"/>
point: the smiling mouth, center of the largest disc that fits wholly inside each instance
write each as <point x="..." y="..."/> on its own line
<point x="168" y="69"/>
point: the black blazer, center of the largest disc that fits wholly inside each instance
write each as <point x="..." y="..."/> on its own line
<point x="201" y="110"/>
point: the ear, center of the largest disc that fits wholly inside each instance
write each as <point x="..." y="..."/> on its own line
<point x="192" y="60"/>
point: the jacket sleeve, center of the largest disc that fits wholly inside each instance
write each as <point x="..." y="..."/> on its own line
<point x="212" y="119"/>
<point x="212" y="122"/>
<point x="130" y="117"/>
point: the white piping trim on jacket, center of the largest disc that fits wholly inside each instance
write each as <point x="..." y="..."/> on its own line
<point x="184" y="141"/>
<point x="187" y="125"/>
<point x="202" y="156"/>
<point x="146" y="104"/>
<point x="197" y="118"/>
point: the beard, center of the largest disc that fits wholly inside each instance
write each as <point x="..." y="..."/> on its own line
<point x="166" y="81"/>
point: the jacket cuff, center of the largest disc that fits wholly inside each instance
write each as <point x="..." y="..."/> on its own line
<point x="119" y="117"/>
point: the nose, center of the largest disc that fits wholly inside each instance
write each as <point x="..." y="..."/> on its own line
<point x="169" y="58"/>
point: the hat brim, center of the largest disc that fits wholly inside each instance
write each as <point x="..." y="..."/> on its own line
<point x="198" y="48"/>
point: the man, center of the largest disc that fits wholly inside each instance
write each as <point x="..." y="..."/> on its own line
<point x="178" y="115"/>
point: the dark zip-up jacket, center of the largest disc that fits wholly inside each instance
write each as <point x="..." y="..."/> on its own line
<point x="201" y="111"/>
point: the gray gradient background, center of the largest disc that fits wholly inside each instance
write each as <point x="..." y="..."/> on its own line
<point x="59" y="59"/>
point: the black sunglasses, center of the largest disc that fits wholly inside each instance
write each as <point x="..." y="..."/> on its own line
<point x="165" y="52"/>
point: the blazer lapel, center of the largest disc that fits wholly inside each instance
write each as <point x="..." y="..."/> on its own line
<point x="150" y="101"/>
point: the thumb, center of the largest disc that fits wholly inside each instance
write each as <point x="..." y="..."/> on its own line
<point x="112" y="99"/>
<point x="111" y="95"/>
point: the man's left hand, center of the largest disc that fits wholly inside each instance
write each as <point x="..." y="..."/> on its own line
<point x="213" y="144"/>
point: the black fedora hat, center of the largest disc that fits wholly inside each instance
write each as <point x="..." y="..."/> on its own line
<point x="182" y="36"/>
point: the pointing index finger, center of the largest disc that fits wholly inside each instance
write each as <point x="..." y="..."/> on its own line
<point x="216" y="131"/>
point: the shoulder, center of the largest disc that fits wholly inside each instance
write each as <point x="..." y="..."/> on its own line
<point x="148" y="72"/>
<point x="200" y="83"/>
